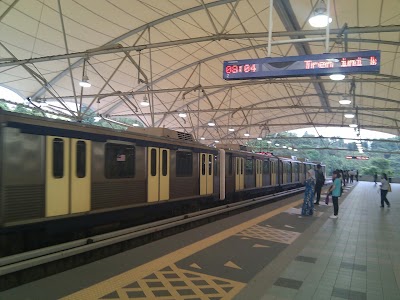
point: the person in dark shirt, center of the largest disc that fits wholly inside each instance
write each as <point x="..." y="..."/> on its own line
<point x="320" y="180"/>
<point x="375" y="177"/>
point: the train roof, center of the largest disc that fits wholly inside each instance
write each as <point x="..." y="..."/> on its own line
<point x="48" y="126"/>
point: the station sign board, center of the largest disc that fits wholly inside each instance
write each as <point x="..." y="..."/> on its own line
<point x="303" y="65"/>
<point x="357" y="157"/>
<point x="269" y="154"/>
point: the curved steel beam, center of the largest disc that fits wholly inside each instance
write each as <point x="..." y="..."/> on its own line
<point x="130" y="33"/>
<point x="303" y="124"/>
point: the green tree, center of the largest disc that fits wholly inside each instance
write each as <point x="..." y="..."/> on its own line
<point x="381" y="164"/>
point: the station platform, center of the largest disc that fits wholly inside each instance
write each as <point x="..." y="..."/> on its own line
<point x="266" y="253"/>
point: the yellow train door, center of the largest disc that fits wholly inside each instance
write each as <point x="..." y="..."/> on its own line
<point x="57" y="176"/>
<point x="206" y="173"/>
<point x="239" y="174"/>
<point x="80" y="175"/>
<point x="158" y="169"/>
<point x="164" y="173"/>
<point x="273" y="172"/>
<point x="258" y="173"/>
<point x="68" y="176"/>
<point x="284" y="172"/>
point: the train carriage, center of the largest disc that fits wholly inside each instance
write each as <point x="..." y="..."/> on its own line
<point x="58" y="176"/>
<point x="56" y="168"/>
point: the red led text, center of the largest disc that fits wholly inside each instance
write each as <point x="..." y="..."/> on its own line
<point x="248" y="68"/>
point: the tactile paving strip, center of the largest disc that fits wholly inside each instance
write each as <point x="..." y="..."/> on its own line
<point x="180" y="284"/>
<point x="270" y="234"/>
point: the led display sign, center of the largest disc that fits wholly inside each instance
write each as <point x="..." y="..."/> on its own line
<point x="269" y="154"/>
<point x="357" y="157"/>
<point x="305" y="65"/>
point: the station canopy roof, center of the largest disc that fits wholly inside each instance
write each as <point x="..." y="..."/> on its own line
<point x="171" y="52"/>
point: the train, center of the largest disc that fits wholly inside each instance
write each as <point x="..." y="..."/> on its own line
<point x="60" y="176"/>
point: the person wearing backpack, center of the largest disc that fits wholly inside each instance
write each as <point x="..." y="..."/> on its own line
<point x="336" y="189"/>
<point x="320" y="181"/>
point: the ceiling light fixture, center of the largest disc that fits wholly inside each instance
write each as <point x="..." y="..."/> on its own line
<point x="352" y="125"/>
<point x="85" y="82"/>
<point x="277" y="144"/>
<point x="290" y="148"/>
<point x="231" y="129"/>
<point x="85" y="79"/>
<point x="349" y="115"/>
<point x="260" y="139"/>
<point x="211" y="123"/>
<point x="182" y="114"/>
<point x="145" y="102"/>
<point x="216" y="141"/>
<point x="320" y="17"/>
<point x="246" y="134"/>
<point x="337" y="77"/>
<point x="269" y="142"/>
<point x="295" y="150"/>
<point x="284" y="147"/>
<point x="203" y="138"/>
<point x="345" y="99"/>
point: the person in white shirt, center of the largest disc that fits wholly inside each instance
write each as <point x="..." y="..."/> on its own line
<point x="384" y="190"/>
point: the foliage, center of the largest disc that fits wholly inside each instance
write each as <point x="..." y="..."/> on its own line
<point x="310" y="148"/>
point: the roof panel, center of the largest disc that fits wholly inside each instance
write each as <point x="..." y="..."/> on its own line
<point x="180" y="48"/>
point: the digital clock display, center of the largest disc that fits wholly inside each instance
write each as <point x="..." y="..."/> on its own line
<point x="305" y="65"/>
<point x="247" y="68"/>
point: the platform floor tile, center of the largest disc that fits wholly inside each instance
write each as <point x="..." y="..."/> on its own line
<point x="353" y="257"/>
<point x="174" y="283"/>
<point x="270" y="234"/>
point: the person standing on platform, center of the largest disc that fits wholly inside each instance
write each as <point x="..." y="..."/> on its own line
<point x="357" y="176"/>
<point x="343" y="178"/>
<point x="336" y="193"/>
<point x="351" y="174"/>
<point x="375" y="177"/>
<point x="320" y="180"/>
<point x="308" y="203"/>
<point x="384" y="190"/>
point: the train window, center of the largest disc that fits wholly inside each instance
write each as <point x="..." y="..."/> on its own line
<point x="215" y="165"/>
<point x="249" y="166"/>
<point x="80" y="159"/>
<point x="58" y="158"/>
<point x="266" y="167"/>
<point x="184" y="164"/>
<point x="241" y="165"/>
<point x="229" y="162"/>
<point x="210" y="164"/>
<point x="237" y="166"/>
<point x="153" y="162"/>
<point x="203" y="164"/>
<point x="164" y="158"/>
<point x="119" y="161"/>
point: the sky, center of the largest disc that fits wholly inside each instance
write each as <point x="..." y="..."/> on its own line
<point x="343" y="132"/>
<point x="9" y="95"/>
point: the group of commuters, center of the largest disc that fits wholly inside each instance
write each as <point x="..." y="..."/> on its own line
<point x="348" y="176"/>
<point x="315" y="181"/>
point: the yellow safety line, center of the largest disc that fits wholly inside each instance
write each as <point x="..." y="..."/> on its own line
<point x="107" y="286"/>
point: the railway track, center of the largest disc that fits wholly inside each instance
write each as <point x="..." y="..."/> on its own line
<point x="33" y="265"/>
